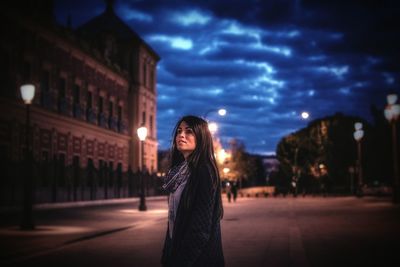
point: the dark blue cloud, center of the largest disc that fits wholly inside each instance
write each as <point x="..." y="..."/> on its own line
<point x="264" y="61"/>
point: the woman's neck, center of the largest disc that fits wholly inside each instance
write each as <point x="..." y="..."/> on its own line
<point x="186" y="155"/>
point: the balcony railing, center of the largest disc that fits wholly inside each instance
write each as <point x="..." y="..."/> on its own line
<point x="78" y="110"/>
<point x="102" y="120"/>
<point x="113" y="123"/>
<point x="46" y="100"/>
<point x="63" y="106"/>
<point x="91" y="116"/>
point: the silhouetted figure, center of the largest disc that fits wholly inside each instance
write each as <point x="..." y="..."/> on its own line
<point x="324" y="185"/>
<point x="234" y="191"/>
<point x="229" y="191"/>
<point x="293" y="185"/>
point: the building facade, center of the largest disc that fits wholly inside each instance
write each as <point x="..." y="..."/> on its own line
<point x="95" y="86"/>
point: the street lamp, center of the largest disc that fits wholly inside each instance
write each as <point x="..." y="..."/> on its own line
<point x="142" y="134"/>
<point x="305" y="115"/>
<point x="392" y="112"/>
<point x="27" y="223"/>
<point x="226" y="170"/>
<point x="222" y="155"/>
<point x="295" y="168"/>
<point x="358" y="135"/>
<point x="221" y="112"/>
<point x="213" y="127"/>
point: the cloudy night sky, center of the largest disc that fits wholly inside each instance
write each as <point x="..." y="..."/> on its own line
<point x="263" y="61"/>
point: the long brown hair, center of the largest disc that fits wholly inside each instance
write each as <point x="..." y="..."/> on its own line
<point x="203" y="154"/>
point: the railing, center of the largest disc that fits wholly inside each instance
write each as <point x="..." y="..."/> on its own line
<point x="55" y="183"/>
<point x="91" y="116"/>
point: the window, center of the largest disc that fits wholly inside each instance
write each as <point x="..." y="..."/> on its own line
<point x="89" y="100"/>
<point x="144" y="74"/>
<point x="101" y="173"/>
<point x="152" y="79"/>
<point x="110" y="115"/>
<point x="119" y="113"/>
<point x="111" y="174"/>
<point x="76" y="94"/>
<point x="26" y="71"/>
<point x="61" y="87"/>
<point x="45" y="99"/>
<point x="100" y="114"/>
<point x="143" y="117"/>
<point x="61" y="169"/>
<point x="45" y="81"/>
<point x="151" y="126"/>
<point x="101" y="104"/>
<point x="76" y="99"/>
<point x="119" y="118"/>
<point x="110" y="109"/>
<point x="5" y="80"/>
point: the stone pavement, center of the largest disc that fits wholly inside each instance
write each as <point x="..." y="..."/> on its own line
<point x="311" y="231"/>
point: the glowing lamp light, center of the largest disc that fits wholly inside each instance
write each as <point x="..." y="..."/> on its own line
<point x="226" y="170"/>
<point x="391" y="99"/>
<point x="388" y="113"/>
<point x="358" y="135"/>
<point x="396" y="110"/>
<point x="213" y="127"/>
<point x="392" y="112"/>
<point x="305" y="115"/>
<point x="27" y="93"/>
<point x="358" y="126"/>
<point x="142" y="133"/>
<point x="222" y="156"/>
<point x="222" y="112"/>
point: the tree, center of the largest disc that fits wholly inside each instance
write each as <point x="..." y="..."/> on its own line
<point x="247" y="168"/>
<point x="325" y="143"/>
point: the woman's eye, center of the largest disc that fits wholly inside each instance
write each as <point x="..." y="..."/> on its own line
<point x="189" y="131"/>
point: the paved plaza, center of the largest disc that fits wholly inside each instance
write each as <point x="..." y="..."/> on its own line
<point x="310" y="231"/>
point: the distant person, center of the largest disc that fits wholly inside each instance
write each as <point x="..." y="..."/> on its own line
<point x="294" y="184"/>
<point x="228" y="190"/>
<point x="193" y="236"/>
<point x="234" y="190"/>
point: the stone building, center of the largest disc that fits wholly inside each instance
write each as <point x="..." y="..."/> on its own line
<point x="95" y="86"/>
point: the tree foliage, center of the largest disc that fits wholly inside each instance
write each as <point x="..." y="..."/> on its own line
<point x="324" y="142"/>
<point x="243" y="166"/>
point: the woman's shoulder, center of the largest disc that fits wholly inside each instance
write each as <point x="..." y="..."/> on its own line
<point x="205" y="169"/>
<point x="207" y="172"/>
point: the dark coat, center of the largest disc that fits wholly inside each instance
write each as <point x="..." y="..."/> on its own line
<point x="196" y="239"/>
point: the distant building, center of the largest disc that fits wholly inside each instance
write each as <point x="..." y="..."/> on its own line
<point x="271" y="163"/>
<point x="94" y="87"/>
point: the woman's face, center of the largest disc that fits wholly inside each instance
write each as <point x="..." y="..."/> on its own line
<point x="185" y="139"/>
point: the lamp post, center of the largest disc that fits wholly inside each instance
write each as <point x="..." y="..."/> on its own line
<point x="27" y="223"/>
<point x="351" y="172"/>
<point x="295" y="168"/>
<point x="358" y="135"/>
<point x="392" y="112"/>
<point x="142" y="134"/>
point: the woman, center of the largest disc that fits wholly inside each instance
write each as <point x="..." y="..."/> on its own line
<point x="195" y="206"/>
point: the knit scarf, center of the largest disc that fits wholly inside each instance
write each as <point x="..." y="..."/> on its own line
<point x="174" y="183"/>
<point x="176" y="176"/>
